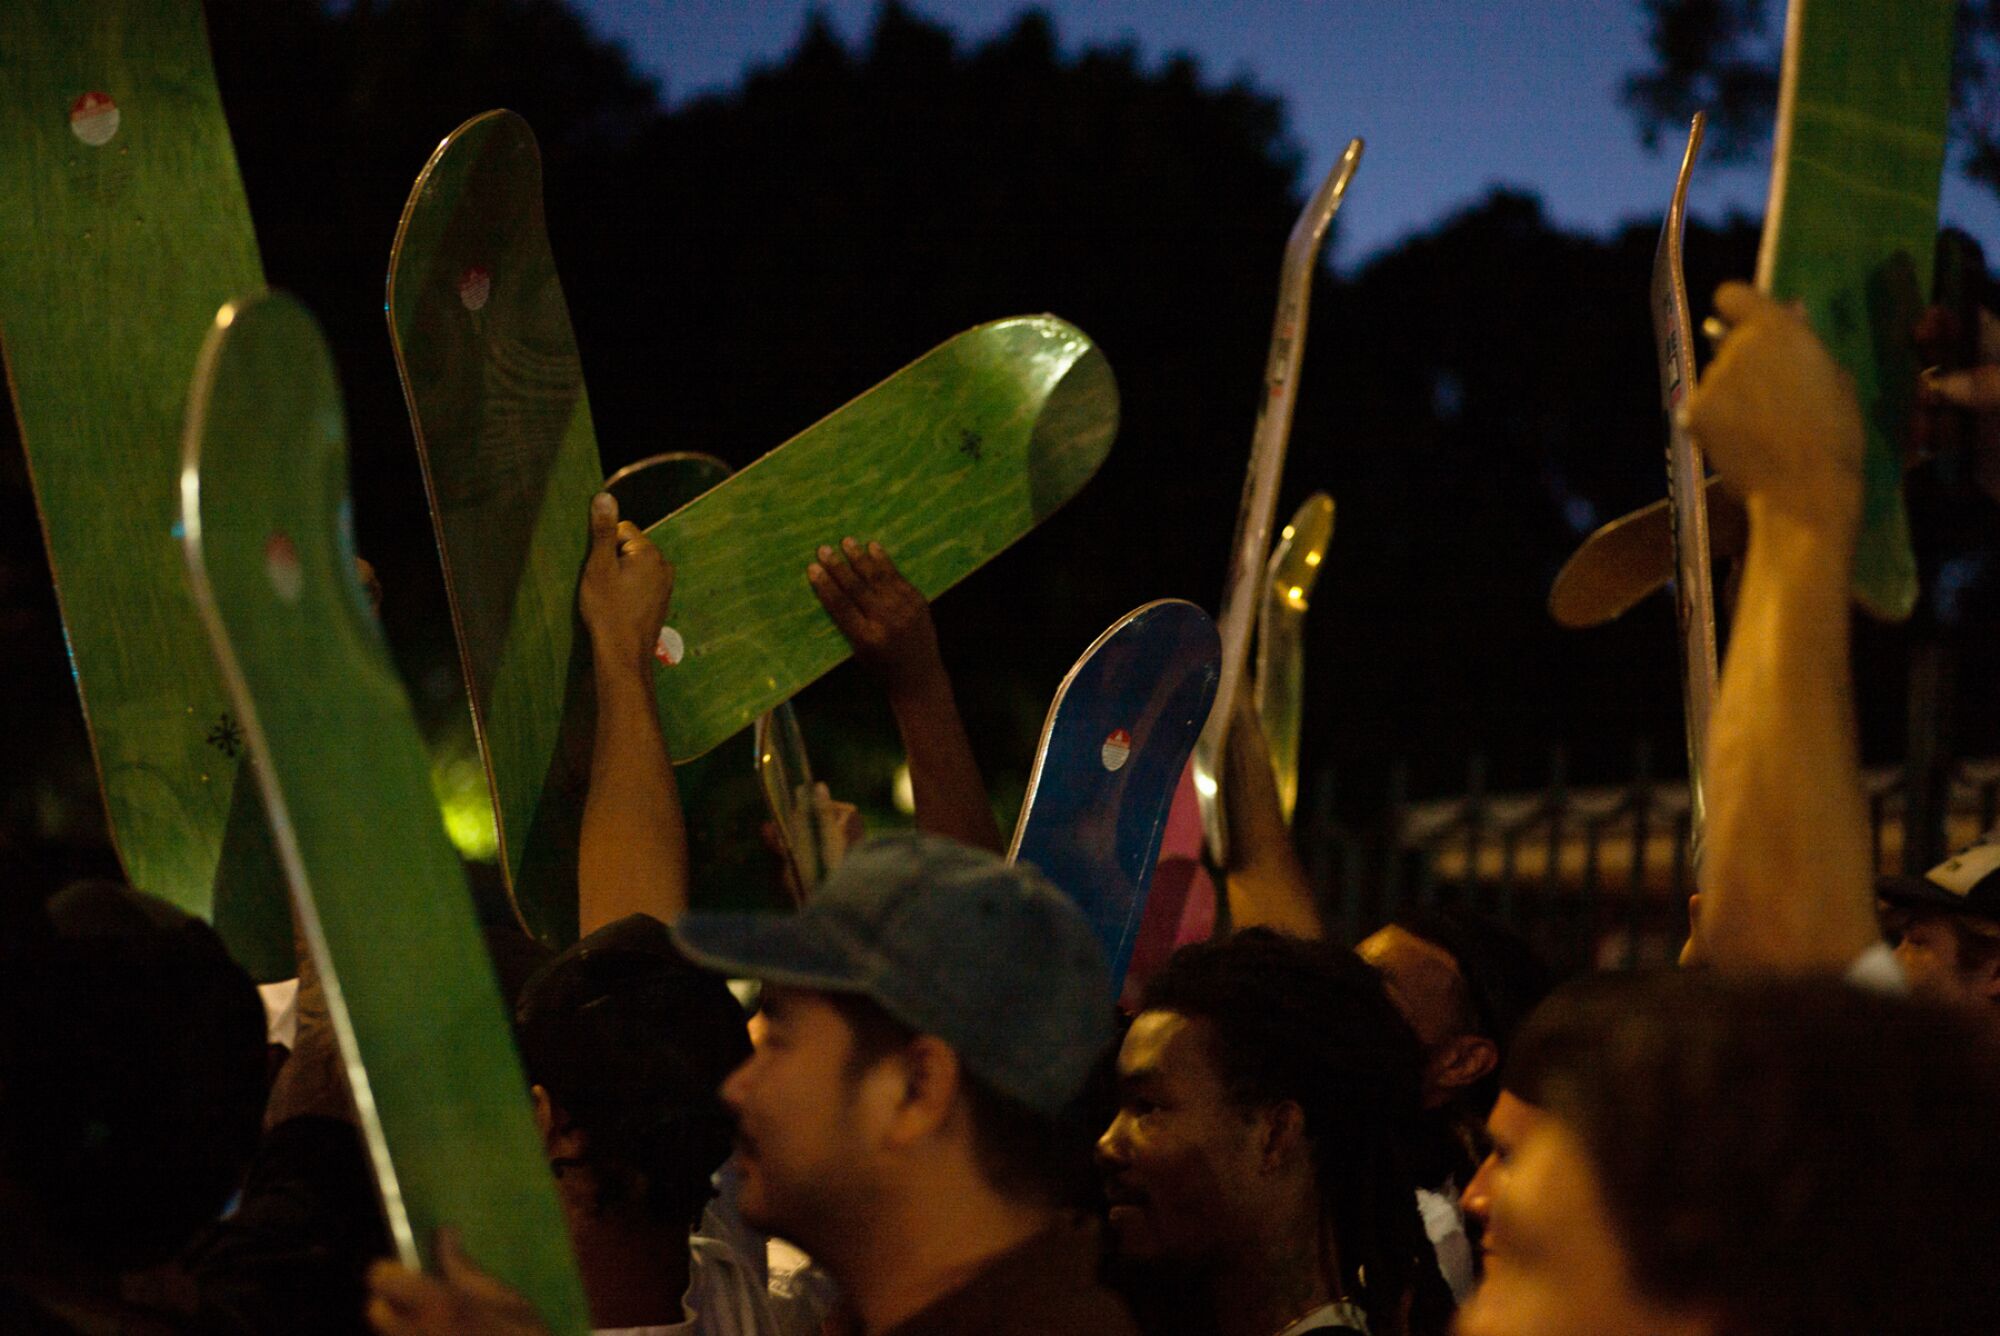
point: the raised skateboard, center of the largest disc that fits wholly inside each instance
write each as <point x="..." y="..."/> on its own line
<point x="1251" y="546"/>
<point x="1289" y="577"/>
<point x="123" y="227"/>
<point x="1631" y="558"/>
<point x="380" y="897"/>
<point x="1687" y="497"/>
<point x="946" y="462"/>
<point x="718" y="813"/>
<point x="1863" y="99"/>
<point x="1112" y="751"/>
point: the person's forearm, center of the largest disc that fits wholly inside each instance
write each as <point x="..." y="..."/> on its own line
<point x="1788" y="883"/>
<point x="633" y="856"/>
<point x="1266" y="884"/>
<point x="944" y="778"/>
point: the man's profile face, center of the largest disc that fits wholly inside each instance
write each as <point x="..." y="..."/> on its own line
<point x="1930" y="952"/>
<point x="800" y="1143"/>
<point x="1180" y="1155"/>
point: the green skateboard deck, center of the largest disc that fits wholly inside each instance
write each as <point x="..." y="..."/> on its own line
<point x="123" y="227"/>
<point x="379" y="893"/>
<point x="1862" y="105"/>
<point x="946" y="462"/>
<point x="721" y="814"/>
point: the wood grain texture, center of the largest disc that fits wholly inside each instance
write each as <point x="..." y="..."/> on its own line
<point x="945" y="463"/>
<point x="1863" y="102"/>
<point x="488" y="359"/>
<point x="1116" y="741"/>
<point x="380" y="895"/>
<point x="123" y="227"/>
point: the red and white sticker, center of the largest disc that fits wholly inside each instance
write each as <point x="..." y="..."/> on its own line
<point x="93" y="118"/>
<point x="475" y="286"/>
<point x="281" y="564"/>
<point x="669" y="648"/>
<point x="1117" y="749"/>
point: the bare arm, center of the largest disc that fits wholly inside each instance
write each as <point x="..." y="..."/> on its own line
<point x="1787" y="883"/>
<point x="888" y="622"/>
<point x="1267" y="885"/>
<point x="633" y="856"/>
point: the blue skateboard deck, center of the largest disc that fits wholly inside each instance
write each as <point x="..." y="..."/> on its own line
<point x="377" y="888"/>
<point x="1117" y="738"/>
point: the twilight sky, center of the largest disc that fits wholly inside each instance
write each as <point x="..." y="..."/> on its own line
<point x="1453" y="96"/>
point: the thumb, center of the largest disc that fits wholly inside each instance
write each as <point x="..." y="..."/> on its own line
<point x="603" y="523"/>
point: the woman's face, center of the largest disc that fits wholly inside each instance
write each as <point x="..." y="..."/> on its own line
<point x="1554" y="1266"/>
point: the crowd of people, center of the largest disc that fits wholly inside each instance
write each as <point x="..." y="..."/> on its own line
<point x="933" y="1120"/>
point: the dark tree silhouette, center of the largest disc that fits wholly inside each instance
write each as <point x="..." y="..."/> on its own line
<point x="1722" y="56"/>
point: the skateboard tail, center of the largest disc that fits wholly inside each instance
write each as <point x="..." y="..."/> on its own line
<point x="1112" y="751"/>
<point x="376" y="886"/>
<point x="1687" y="495"/>
<point x="947" y="463"/>
<point x="1294" y="568"/>
<point x="284" y="836"/>
<point x="1260" y="487"/>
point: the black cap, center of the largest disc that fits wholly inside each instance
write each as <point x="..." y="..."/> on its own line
<point x="631" y="1041"/>
<point x="1967" y="883"/>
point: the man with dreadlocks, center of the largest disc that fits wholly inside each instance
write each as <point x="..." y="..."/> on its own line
<point x="1260" y="1165"/>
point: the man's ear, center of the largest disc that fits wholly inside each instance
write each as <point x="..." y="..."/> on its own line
<point x="561" y="1139"/>
<point x="1462" y="1062"/>
<point x="928" y="1076"/>
<point x="1283" y="1134"/>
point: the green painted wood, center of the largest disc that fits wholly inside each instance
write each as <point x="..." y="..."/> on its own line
<point x="1863" y="102"/>
<point x="378" y="889"/>
<point x="123" y="227"/>
<point x="483" y="342"/>
<point x="946" y="463"/>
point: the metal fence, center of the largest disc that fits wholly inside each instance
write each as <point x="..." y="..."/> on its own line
<point x="1595" y="876"/>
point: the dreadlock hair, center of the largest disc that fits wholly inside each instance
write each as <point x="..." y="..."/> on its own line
<point x="1309" y="1023"/>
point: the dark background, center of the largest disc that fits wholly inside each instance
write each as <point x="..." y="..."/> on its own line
<point x="1476" y="399"/>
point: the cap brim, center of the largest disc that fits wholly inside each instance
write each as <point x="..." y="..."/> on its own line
<point x="1921" y="893"/>
<point x="787" y="949"/>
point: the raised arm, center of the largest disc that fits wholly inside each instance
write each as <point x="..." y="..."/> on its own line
<point x="1267" y="885"/>
<point x="1787" y="883"/>
<point x="888" y="622"/>
<point x="633" y="856"/>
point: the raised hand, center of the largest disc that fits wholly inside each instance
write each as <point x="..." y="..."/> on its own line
<point x="888" y="622"/>
<point x="460" y="1300"/>
<point x="883" y="616"/>
<point x="626" y="587"/>
<point x="1776" y="414"/>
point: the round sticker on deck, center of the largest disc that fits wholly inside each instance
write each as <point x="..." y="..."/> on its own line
<point x="93" y="118"/>
<point x="669" y="649"/>
<point x="475" y="287"/>
<point x="281" y="564"/>
<point x="1117" y="748"/>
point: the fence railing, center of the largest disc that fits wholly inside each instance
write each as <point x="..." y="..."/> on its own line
<point x="1594" y="875"/>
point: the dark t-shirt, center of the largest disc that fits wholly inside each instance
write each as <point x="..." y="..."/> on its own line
<point x="292" y="1257"/>
<point x="1046" y="1287"/>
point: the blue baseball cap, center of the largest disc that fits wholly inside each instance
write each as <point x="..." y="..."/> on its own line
<point x="951" y="941"/>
